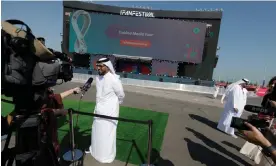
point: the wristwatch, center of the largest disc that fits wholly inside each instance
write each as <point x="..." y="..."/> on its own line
<point x="269" y="150"/>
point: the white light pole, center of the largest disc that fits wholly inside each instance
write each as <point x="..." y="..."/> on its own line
<point x="217" y="55"/>
<point x="264" y="75"/>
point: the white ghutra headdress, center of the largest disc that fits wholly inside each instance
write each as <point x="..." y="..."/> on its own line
<point x="108" y="63"/>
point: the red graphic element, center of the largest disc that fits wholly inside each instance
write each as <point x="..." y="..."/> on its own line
<point x="135" y="43"/>
<point x="193" y="59"/>
<point x="196" y="37"/>
<point x="261" y="92"/>
<point x="145" y="69"/>
<point x="94" y="64"/>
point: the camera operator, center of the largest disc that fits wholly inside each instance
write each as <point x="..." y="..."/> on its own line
<point x="269" y="100"/>
<point x="29" y="70"/>
<point x="56" y="53"/>
<point x="256" y="137"/>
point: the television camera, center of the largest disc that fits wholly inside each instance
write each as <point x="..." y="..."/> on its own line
<point x="264" y="114"/>
<point x="28" y="72"/>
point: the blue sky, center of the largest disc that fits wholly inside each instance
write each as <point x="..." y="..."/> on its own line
<point x="247" y="35"/>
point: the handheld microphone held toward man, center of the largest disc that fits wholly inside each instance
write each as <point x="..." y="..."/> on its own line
<point x="86" y="86"/>
<point x="258" y="122"/>
<point x="258" y="109"/>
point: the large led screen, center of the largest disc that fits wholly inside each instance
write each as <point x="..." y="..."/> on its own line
<point x="164" y="68"/>
<point x="166" y="39"/>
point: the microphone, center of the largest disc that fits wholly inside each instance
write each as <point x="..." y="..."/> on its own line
<point x="259" y="122"/>
<point x="256" y="109"/>
<point x="86" y="86"/>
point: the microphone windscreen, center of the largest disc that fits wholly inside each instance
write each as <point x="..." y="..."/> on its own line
<point x="255" y="109"/>
<point x="90" y="80"/>
<point x="248" y="107"/>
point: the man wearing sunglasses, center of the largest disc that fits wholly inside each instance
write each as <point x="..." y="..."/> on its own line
<point x="109" y="95"/>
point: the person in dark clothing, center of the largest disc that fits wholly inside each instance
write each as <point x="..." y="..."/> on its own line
<point x="269" y="99"/>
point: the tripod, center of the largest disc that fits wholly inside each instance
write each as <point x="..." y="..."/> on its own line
<point x="33" y="143"/>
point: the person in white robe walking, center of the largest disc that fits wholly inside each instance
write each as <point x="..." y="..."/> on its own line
<point x="227" y="90"/>
<point x="234" y="106"/>
<point x="109" y="95"/>
<point x="216" y="91"/>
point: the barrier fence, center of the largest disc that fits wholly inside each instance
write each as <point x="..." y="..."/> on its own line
<point x="82" y="78"/>
<point x="148" y="122"/>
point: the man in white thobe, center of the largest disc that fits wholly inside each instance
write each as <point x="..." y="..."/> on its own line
<point x="234" y="106"/>
<point x="216" y="91"/>
<point x="109" y="95"/>
<point x="227" y="90"/>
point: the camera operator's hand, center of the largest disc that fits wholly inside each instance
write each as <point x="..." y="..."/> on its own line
<point x="272" y="103"/>
<point x="254" y="136"/>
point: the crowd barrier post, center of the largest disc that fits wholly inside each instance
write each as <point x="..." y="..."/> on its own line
<point x="149" y="142"/>
<point x="74" y="155"/>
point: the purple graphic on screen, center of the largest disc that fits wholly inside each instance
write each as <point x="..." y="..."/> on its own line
<point x="164" y="68"/>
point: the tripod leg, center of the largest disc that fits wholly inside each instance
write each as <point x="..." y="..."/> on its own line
<point x="11" y="157"/>
<point x="6" y="153"/>
<point x="54" y="155"/>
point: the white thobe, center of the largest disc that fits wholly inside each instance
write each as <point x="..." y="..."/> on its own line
<point x="109" y="95"/>
<point x="234" y="99"/>
<point x="216" y="92"/>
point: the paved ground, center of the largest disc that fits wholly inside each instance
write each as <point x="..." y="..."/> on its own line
<point x="191" y="138"/>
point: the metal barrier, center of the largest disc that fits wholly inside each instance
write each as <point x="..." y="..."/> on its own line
<point x="75" y="154"/>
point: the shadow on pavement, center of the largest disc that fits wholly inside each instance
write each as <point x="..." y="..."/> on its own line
<point x="206" y="156"/>
<point x="204" y="121"/>
<point x="218" y="147"/>
<point x="133" y="145"/>
<point x="157" y="160"/>
<point x="231" y="145"/>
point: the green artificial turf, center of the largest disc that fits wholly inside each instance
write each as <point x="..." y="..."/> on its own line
<point x="129" y="135"/>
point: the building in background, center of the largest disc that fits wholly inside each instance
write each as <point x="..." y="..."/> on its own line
<point x="199" y="50"/>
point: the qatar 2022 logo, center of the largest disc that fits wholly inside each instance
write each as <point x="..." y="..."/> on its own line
<point x="80" y="45"/>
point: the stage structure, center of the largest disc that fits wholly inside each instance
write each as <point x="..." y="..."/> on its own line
<point x="160" y="45"/>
